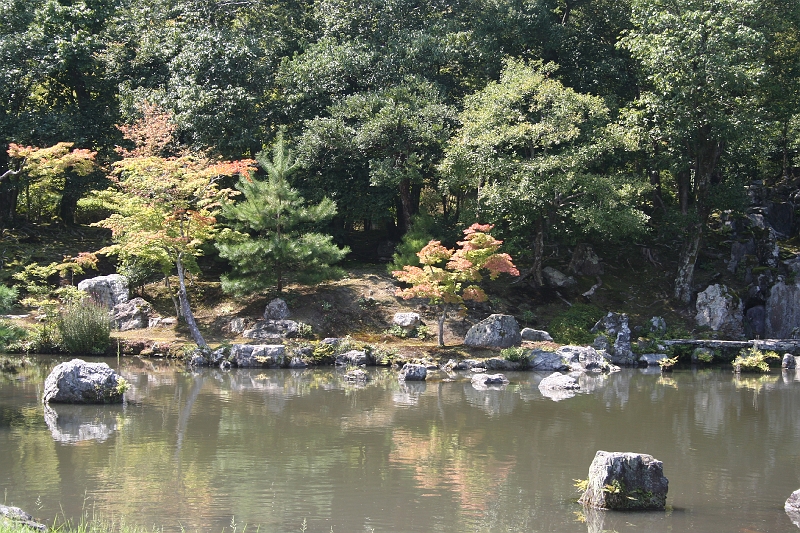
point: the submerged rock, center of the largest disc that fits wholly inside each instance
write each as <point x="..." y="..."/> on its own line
<point x="77" y="381"/>
<point x="482" y="381"/>
<point x="626" y="482"/>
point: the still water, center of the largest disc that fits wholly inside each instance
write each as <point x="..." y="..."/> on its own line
<point x="303" y="450"/>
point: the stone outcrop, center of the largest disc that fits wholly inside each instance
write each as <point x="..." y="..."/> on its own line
<point x="258" y="355"/>
<point x="353" y="358"/>
<point x="625" y="482"/>
<point x="615" y="338"/>
<point x="483" y="381"/>
<point x="107" y="291"/>
<point x="559" y="280"/>
<point x="721" y="310"/>
<point x="792" y="507"/>
<point x="277" y="309"/>
<point x="272" y="329"/>
<point x="17" y="517"/>
<point x="496" y="331"/>
<point x="535" y="335"/>
<point x="77" y="381"/>
<point x="783" y="311"/>
<point x="407" y="321"/>
<point x="133" y="314"/>
<point x="413" y="372"/>
<point x="585" y="359"/>
<point x="547" y="361"/>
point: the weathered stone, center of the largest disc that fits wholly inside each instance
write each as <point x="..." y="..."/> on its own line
<point x="721" y="310"/>
<point x="652" y="359"/>
<point x="782" y="310"/>
<point x="739" y="250"/>
<point x="133" y="314"/>
<point x="615" y="327"/>
<point x="276" y="310"/>
<point x="238" y="325"/>
<point x="107" y="291"/>
<point x="407" y="320"/>
<point x="792" y="507"/>
<point x="272" y="329"/>
<point x="535" y="335"/>
<point x="15" y="515"/>
<point x="496" y="331"/>
<point x="554" y="278"/>
<point x="789" y="362"/>
<point x="584" y="359"/>
<point x="77" y="381"/>
<point x="625" y="482"/>
<point x="559" y="386"/>
<point x="297" y="362"/>
<point x="482" y="381"/>
<point x="413" y="372"/>
<point x="356" y="375"/>
<point x="258" y="355"/>
<point x="585" y="262"/>
<point x="658" y="326"/>
<point x="353" y="357"/>
<point x="547" y="361"/>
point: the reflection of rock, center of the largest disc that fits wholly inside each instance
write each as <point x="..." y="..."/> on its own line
<point x="17" y="516"/>
<point x="496" y="331"/>
<point x="357" y="376"/>
<point x="595" y="519"/>
<point x="77" y="381"/>
<point x="409" y="392"/>
<point x="792" y="507"/>
<point x="558" y="386"/>
<point x="77" y="423"/>
<point x="626" y="482"/>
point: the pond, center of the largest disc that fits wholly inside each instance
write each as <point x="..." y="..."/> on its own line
<point x="304" y="450"/>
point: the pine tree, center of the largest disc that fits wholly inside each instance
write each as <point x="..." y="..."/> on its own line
<point x="273" y="239"/>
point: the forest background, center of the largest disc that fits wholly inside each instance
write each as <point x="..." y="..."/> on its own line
<point x="642" y="123"/>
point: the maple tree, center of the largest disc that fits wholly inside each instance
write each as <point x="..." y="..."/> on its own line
<point x="450" y="277"/>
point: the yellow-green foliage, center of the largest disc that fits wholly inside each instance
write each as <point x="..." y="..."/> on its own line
<point x="753" y="360"/>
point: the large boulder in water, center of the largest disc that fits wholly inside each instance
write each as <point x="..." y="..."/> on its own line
<point x="496" y="331"/>
<point x="77" y="381"/>
<point x="792" y="507"/>
<point x="626" y="482"/>
<point x="107" y="291"/>
<point x="413" y="372"/>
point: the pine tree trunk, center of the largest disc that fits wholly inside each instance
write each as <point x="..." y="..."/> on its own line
<point x="186" y="308"/>
<point x="442" y="318"/>
<point x="538" y="253"/>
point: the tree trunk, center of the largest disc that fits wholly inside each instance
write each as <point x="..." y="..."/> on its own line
<point x="406" y="205"/>
<point x="684" y="278"/>
<point x="538" y="253"/>
<point x="185" y="307"/>
<point x="442" y="318"/>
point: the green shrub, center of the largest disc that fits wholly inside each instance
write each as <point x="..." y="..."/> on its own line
<point x="85" y="327"/>
<point x="8" y="297"/>
<point x="515" y="354"/>
<point x="753" y="360"/>
<point x="420" y="233"/>
<point x="574" y="325"/>
<point x="11" y="336"/>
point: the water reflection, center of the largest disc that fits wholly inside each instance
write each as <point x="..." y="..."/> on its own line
<point x="275" y="447"/>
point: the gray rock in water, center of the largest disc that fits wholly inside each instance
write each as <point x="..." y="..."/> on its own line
<point x="626" y="482"/>
<point x="276" y="310"/>
<point x="558" y="386"/>
<point x="77" y="381"/>
<point x="353" y="357"/>
<point x="272" y="329"/>
<point x="413" y="372"/>
<point x="133" y="314"/>
<point x="407" y="320"/>
<point x="721" y="310"/>
<point x="357" y="375"/>
<point x="547" y="361"/>
<point x="107" y="291"/>
<point x="792" y="507"/>
<point x="789" y="362"/>
<point x="17" y="516"/>
<point x="585" y="359"/>
<point x="496" y="331"/>
<point x="535" y="335"/>
<point x="297" y="362"/>
<point x="482" y="381"/>
<point x="258" y="355"/>
<point x="652" y="359"/>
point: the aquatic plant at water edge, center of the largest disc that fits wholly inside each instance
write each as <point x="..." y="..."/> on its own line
<point x="753" y="360"/>
<point x="85" y="327"/>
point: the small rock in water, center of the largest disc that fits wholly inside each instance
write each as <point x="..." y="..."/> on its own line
<point x="626" y="482"/>
<point x="792" y="507"/>
<point x="413" y="372"/>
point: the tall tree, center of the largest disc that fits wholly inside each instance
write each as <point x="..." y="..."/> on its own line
<point x="535" y="151"/>
<point x="701" y="61"/>
<point x="274" y="240"/>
